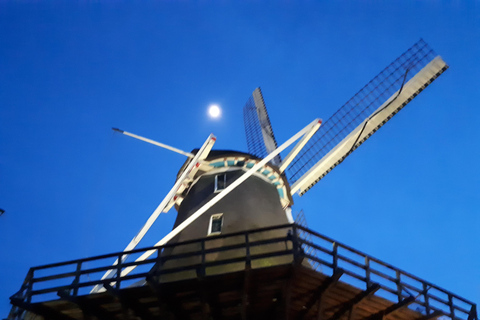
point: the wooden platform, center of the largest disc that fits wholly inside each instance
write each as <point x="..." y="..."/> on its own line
<point x="279" y="292"/>
<point x="256" y="274"/>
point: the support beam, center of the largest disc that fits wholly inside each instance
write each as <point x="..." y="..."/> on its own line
<point x="321" y="291"/>
<point x="129" y="303"/>
<point x="347" y="306"/>
<point x="395" y="307"/>
<point x="88" y="309"/>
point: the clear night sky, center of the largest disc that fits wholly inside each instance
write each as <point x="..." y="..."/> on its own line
<point x="71" y="70"/>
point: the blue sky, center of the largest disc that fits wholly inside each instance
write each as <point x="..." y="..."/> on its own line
<point x="69" y="71"/>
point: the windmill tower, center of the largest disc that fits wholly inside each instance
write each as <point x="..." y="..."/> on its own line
<point x="234" y="251"/>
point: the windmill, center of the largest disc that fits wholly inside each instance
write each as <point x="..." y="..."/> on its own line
<point x="234" y="251"/>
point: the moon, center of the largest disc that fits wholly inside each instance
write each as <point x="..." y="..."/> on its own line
<point x="214" y="111"/>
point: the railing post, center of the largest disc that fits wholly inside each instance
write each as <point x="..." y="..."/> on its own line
<point x="335" y="257"/>
<point x="367" y="271"/>
<point x="296" y="246"/>
<point x="426" y="298"/>
<point x="472" y="315"/>
<point x="450" y="304"/>
<point x="399" y="285"/>
<point x="202" y="272"/>
<point x="29" y="285"/>
<point x="76" y="281"/>
<point x="248" y="260"/>
<point x="160" y="259"/>
<point x="119" y="270"/>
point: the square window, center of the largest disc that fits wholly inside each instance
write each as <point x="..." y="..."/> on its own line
<point x="220" y="182"/>
<point x="216" y="223"/>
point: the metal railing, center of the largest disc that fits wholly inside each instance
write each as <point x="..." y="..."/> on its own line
<point x="237" y="251"/>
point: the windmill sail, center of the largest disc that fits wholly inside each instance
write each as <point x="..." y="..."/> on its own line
<point x="375" y="104"/>
<point x="258" y="129"/>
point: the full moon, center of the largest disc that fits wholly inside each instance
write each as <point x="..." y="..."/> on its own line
<point x="214" y="111"/>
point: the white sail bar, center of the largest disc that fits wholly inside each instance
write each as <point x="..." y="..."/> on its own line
<point x="159" y="144"/>
<point x="221" y="195"/>
<point x="410" y="90"/>
<point x="299" y="146"/>
<point x="188" y="172"/>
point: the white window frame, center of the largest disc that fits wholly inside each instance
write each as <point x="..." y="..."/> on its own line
<point x="217" y="188"/>
<point x="210" y="225"/>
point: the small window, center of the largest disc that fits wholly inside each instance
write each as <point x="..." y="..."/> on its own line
<point x="220" y="182"/>
<point x="216" y="223"/>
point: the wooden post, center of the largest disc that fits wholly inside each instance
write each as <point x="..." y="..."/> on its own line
<point x="399" y="285"/>
<point x="248" y="260"/>
<point x="119" y="270"/>
<point x="29" y="286"/>
<point x="77" y="278"/>
<point x="367" y="271"/>
<point x="450" y="304"/>
<point x="335" y="257"/>
<point x="425" y="297"/>
<point x="202" y="272"/>
<point x="472" y="315"/>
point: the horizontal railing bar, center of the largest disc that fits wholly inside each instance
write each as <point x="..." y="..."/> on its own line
<point x="165" y="258"/>
<point x="460" y="309"/>
<point x="438" y="299"/>
<point x="93" y="270"/>
<point x="226" y="261"/>
<point x="390" y="290"/>
<point x="313" y="249"/>
<point x="382" y="263"/>
<point x="88" y="284"/>
<point x="411" y="287"/>
<point x="173" y="270"/>
<point x="224" y="248"/>
<point x="116" y="254"/>
<point x="383" y="275"/>
<point x="353" y="274"/>
<point x="355" y="263"/>
<point x="154" y="260"/>
<point x="319" y="260"/>
<point x="311" y="244"/>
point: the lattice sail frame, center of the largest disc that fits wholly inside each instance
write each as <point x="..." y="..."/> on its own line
<point x="358" y="110"/>
<point x="258" y="129"/>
